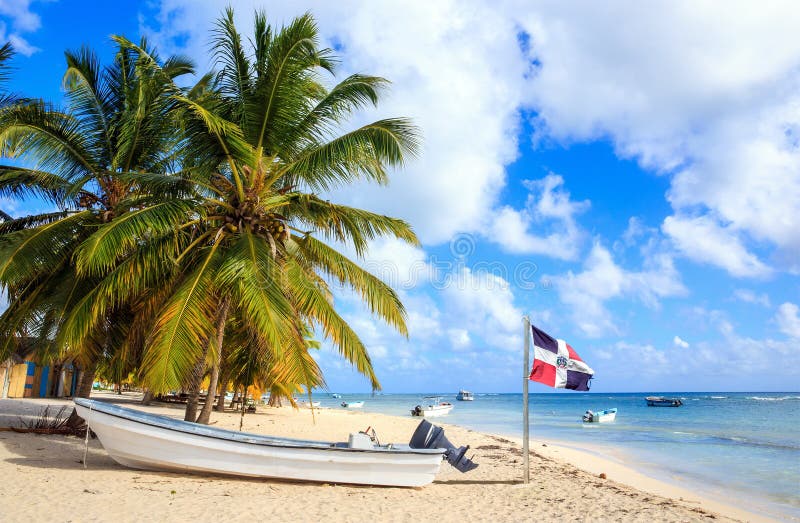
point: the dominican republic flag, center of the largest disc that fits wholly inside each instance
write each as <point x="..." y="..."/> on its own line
<point x="555" y="363"/>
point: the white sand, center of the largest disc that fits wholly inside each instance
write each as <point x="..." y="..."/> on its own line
<point x="42" y="479"/>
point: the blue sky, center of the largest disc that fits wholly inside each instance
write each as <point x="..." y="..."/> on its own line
<point x="629" y="177"/>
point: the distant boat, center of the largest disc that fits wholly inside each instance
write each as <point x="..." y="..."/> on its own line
<point x="336" y="396"/>
<point x="434" y="408"/>
<point x="465" y="395"/>
<point x="146" y="441"/>
<point x="306" y="404"/>
<point x="352" y="404"/>
<point x="660" y="401"/>
<point x="602" y="416"/>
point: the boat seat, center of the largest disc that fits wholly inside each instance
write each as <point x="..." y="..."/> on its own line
<point x="359" y="440"/>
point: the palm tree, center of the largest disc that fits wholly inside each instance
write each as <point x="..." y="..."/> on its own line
<point x="118" y="125"/>
<point x="262" y="139"/>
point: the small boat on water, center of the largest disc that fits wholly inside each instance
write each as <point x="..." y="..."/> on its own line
<point x="352" y="404"/>
<point x="146" y="441"/>
<point x="465" y="395"/>
<point x="661" y="401"/>
<point x="308" y="405"/>
<point x="434" y="408"/>
<point x="602" y="416"/>
<point x="336" y="396"/>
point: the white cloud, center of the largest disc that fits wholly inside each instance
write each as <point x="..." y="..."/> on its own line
<point x="702" y="239"/>
<point x="748" y="296"/>
<point x="678" y="342"/>
<point x="401" y="265"/>
<point x="23" y="20"/>
<point x="717" y="104"/>
<point x="731" y="355"/>
<point x="483" y="303"/>
<point x="788" y="320"/>
<point x="601" y="280"/>
<point x="548" y="206"/>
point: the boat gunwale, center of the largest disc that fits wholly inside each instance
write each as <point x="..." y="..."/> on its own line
<point x="237" y="437"/>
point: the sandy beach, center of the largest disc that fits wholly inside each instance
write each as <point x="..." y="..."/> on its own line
<point x="44" y="480"/>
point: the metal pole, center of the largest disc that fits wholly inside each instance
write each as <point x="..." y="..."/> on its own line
<point x="525" y="375"/>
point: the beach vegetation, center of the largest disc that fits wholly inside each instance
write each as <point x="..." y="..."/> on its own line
<point x="195" y="233"/>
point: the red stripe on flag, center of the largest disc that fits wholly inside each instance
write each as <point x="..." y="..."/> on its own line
<point x="543" y="373"/>
<point x="572" y="354"/>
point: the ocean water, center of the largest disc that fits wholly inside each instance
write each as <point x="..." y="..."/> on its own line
<point x="730" y="446"/>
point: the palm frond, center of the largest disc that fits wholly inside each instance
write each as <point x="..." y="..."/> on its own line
<point x="112" y="241"/>
<point x="182" y="328"/>
<point x="362" y="153"/>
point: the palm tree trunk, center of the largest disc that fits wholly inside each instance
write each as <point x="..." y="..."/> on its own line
<point x="194" y="385"/>
<point x="86" y="381"/>
<point x="224" y="374"/>
<point x="84" y="389"/>
<point x="205" y="414"/>
<point x="148" y="397"/>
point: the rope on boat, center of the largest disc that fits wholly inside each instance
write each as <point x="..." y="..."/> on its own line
<point x="86" y="439"/>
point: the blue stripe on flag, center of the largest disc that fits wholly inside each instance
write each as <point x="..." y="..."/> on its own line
<point x="577" y="380"/>
<point x="544" y="340"/>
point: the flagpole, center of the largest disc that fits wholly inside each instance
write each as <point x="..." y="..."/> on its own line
<point x="525" y="375"/>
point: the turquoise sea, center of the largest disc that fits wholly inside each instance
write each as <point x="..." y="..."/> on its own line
<point x="742" y="446"/>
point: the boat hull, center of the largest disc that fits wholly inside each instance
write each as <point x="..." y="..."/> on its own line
<point x="434" y="412"/>
<point x="604" y="416"/>
<point x="663" y="402"/>
<point x="464" y="395"/>
<point x="145" y="446"/>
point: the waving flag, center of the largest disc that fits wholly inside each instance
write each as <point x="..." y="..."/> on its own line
<point x="556" y="364"/>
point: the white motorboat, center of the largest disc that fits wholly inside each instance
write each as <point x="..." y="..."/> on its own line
<point x="146" y="441"/>
<point x="352" y="404"/>
<point x="601" y="416"/>
<point x="434" y="408"/>
<point x="465" y="395"/>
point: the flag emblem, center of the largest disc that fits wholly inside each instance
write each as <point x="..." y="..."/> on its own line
<point x="556" y="364"/>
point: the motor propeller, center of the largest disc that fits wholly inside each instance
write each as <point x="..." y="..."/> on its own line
<point x="429" y="436"/>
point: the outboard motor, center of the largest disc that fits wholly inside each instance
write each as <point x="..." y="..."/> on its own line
<point x="417" y="411"/>
<point x="429" y="436"/>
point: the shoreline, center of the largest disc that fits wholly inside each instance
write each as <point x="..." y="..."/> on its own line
<point x="565" y="478"/>
<point x="623" y="467"/>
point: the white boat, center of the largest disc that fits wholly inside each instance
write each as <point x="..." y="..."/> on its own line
<point x="146" y="441"/>
<point x="600" y="417"/>
<point x="352" y="404"/>
<point x="465" y="395"/>
<point x="434" y="408"/>
<point x="308" y="405"/>
<point x="336" y="396"/>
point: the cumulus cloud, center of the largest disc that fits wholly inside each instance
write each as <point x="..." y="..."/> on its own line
<point x="485" y="303"/>
<point x="601" y="280"/>
<point x="712" y="99"/>
<point x="23" y="20"/>
<point x="702" y="239"/>
<point x="788" y="320"/>
<point x="724" y="355"/>
<point x="548" y="206"/>
<point x="678" y="342"/>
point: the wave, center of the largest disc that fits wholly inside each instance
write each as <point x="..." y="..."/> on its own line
<point x="755" y="443"/>
<point x="718" y="397"/>
<point x="773" y="398"/>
